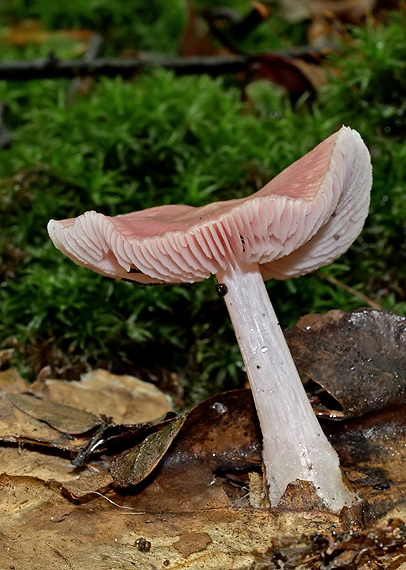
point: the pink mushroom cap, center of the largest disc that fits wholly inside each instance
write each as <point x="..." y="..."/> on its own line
<point x="306" y="217"/>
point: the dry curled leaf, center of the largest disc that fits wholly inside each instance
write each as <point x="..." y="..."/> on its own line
<point x="134" y="465"/>
<point x="295" y="75"/>
<point x="218" y="437"/>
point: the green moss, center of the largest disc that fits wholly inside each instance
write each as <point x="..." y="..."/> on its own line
<point x="161" y="139"/>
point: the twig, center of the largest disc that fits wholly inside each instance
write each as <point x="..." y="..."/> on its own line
<point x="92" y="52"/>
<point x="52" y="67"/>
<point x="5" y="135"/>
<point x="361" y="296"/>
<point x="94" y="47"/>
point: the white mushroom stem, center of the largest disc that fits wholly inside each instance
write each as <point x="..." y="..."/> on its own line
<point x="294" y="445"/>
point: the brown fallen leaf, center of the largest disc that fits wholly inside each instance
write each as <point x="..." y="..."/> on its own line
<point x="196" y="38"/>
<point x="329" y="19"/>
<point x="33" y="426"/>
<point x="38" y="524"/>
<point x="12" y="382"/>
<point x="293" y="74"/>
<point x="348" y="10"/>
<point x="218" y="440"/>
<point x="134" y="465"/>
<point x="109" y="438"/>
<point x="200" y="486"/>
<point x="52" y="468"/>
<point x="374" y="446"/>
<point x="86" y="488"/>
<point x="222" y="432"/>
<point x="358" y="357"/>
<point x="190" y="542"/>
<point x="125" y="398"/>
<point x="18" y="427"/>
<point x="65" y="419"/>
<point x="32" y="31"/>
<point x="209" y="461"/>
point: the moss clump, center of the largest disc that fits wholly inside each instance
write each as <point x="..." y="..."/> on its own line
<point x="162" y="139"/>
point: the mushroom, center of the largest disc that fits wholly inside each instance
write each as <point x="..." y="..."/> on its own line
<point x="305" y="217"/>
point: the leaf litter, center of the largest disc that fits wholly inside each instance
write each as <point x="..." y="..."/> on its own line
<point x="186" y="485"/>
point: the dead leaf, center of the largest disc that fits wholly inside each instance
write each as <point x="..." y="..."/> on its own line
<point x="32" y="31"/>
<point x="50" y="468"/>
<point x="373" y="446"/>
<point x="111" y="438"/>
<point x="125" y="398"/>
<point x="220" y="441"/>
<point x="38" y="524"/>
<point x="18" y="427"/>
<point x="293" y="74"/>
<point x="190" y="496"/>
<point x="207" y="437"/>
<point x="65" y="419"/>
<point x="85" y="488"/>
<point x="12" y="382"/>
<point x="221" y="432"/>
<point x="220" y="437"/>
<point x="25" y="418"/>
<point x="329" y="19"/>
<point x="358" y="357"/>
<point x="348" y="10"/>
<point x="190" y="542"/>
<point x="134" y="465"/>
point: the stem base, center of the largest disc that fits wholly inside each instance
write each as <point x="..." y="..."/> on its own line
<point x="294" y="445"/>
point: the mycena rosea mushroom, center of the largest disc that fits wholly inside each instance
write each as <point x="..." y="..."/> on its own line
<point x="304" y="218"/>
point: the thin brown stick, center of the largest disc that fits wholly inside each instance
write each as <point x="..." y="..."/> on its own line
<point x="361" y="296"/>
<point x="53" y="67"/>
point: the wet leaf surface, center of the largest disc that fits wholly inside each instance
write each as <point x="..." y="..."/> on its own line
<point x="222" y="432"/>
<point x="374" y="444"/>
<point x="358" y="357"/>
